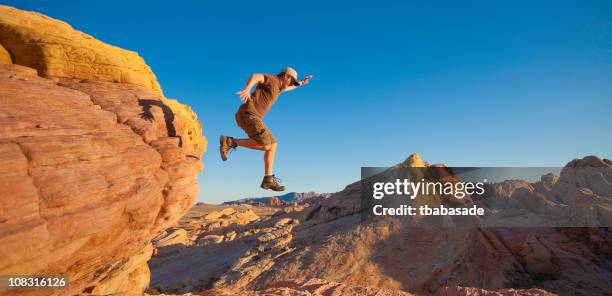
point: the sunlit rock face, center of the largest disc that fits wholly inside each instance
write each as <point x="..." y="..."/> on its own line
<point x="54" y="48"/>
<point x="94" y="161"/>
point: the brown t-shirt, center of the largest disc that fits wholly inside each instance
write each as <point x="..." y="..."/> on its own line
<point x="263" y="97"/>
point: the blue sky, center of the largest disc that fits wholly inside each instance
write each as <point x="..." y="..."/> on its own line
<point x="465" y="83"/>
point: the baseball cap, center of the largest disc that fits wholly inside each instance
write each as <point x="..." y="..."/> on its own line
<point x="291" y="72"/>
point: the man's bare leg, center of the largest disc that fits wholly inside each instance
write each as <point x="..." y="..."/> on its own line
<point x="269" y="152"/>
<point x="269" y="181"/>
<point x="251" y="144"/>
<point x="269" y="158"/>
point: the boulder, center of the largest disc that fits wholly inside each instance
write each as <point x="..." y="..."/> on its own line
<point x="94" y="163"/>
<point x="245" y="217"/>
<point x="214" y="215"/>
<point x="55" y="49"/>
<point x="227" y="211"/>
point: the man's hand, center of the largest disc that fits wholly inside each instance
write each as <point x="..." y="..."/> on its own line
<point x="244" y="95"/>
<point x="302" y="83"/>
<point x="306" y="80"/>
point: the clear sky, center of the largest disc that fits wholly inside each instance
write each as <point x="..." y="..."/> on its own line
<point x="465" y="83"/>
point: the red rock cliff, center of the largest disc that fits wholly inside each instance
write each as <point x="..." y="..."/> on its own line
<point x="94" y="160"/>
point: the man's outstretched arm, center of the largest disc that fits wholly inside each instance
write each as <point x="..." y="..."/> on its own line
<point x="245" y="94"/>
<point x="302" y="83"/>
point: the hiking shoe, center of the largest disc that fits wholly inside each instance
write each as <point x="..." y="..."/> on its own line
<point x="273" y="183"/>
<point x="225" y="145"/>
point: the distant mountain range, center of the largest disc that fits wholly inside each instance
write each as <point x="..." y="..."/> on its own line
<point x="287" y="198"/>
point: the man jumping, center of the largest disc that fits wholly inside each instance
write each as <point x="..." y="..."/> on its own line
<point x="250" y="114"/>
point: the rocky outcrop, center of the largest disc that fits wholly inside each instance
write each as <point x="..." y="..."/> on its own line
<point x="270" y="244"/>
<point x="332" y="242"/>
<point x="274" y="201"/>
<point x="227" y="247"/>
<point x="54" y="48"/>
<point x="579" y="197"/>
<point x="95" y="161"/>
<point x="214" y="215"/>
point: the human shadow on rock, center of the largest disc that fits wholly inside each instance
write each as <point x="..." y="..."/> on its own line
<point x="147" y="115"/>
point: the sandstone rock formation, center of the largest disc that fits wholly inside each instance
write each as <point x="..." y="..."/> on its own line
<point x="218" y="214"/>
<point x="274" y="201"/>
<point x="330" y="242"/>
<point x="54" y="48"/>
<point x="95" y="161"/>
<point x="213" y="245"/>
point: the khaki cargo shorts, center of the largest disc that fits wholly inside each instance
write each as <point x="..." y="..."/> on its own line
<point x="254" y="127"/>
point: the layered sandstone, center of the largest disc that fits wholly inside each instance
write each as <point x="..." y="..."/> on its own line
<point x="54" y="48"/>
<point x="334" y="244"/>
<point x="329" y="242"/>
<point x="95" y="161"/>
